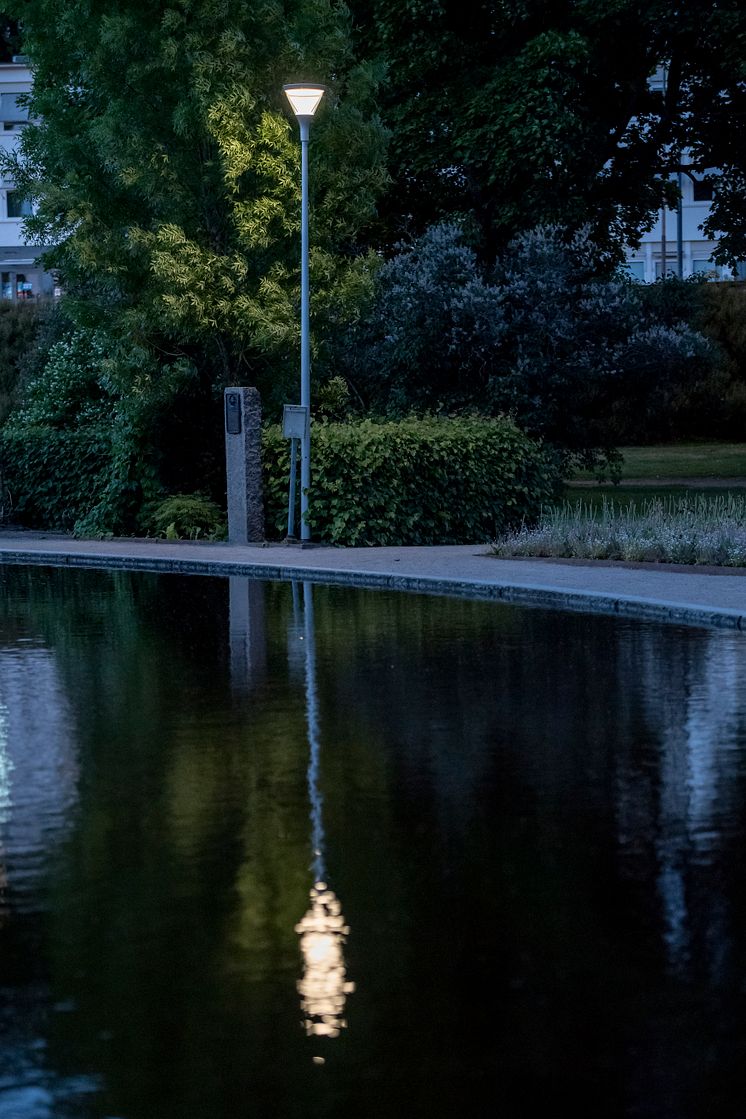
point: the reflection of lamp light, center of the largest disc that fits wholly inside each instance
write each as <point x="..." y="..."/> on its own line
<point x="324" y="985"/>
<point x="323" y="932"/>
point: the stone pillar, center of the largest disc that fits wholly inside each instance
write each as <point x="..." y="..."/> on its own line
<point x="243" y="465"/>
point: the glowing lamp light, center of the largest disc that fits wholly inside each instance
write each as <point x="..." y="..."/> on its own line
<point x="304" y="99"/>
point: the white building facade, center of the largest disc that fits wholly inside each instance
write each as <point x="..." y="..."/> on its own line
<point x="21" y="276"/>
<point x="676" y="245"/>
<point x="658" y="254"/>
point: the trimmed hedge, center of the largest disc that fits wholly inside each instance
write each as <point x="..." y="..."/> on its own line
<point x="52" y="477"/>
<point x="415" y="481"/>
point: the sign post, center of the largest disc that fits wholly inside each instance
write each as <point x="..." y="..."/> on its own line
<point x="294" y="428"/>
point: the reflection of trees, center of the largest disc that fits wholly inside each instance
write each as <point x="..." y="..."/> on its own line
<point x="504" y="792"/>
<point x="38" y="786"/>
<point x="691" y="774"/>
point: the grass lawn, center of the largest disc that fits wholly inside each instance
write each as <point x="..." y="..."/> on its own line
<point x="635" y="497"/>
<point x="681" y="460"/>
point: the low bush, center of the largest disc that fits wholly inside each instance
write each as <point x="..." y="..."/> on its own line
<point x="415" y="481"/>
<point x="691" y="530"/>
<point x="186" y="516"/>
<point x="709" y="401"/>
<point x="80" y="452"/>
<point x="51" y="476"/>
<point x="66" y="453"/>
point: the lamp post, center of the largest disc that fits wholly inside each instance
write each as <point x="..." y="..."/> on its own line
<point x="304" y="100"/>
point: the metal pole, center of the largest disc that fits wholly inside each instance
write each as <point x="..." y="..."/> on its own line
<point x="291" y="499"/>
<point x="305" y="336"/>
<point x="680" y="233"/>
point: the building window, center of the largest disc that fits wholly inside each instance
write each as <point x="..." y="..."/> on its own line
<point x="24" y="287"/>
<point x="18" y="285"/>
<point x="702" y="190"/>
<point x="18" y="207"/>
<point x="11" y="111"/>
<point x="636" y="269"/>
<point x="706" y="267"/>
<point x="669" y="270"/>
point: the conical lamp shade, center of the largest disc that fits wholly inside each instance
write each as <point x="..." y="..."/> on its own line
<point x="304" y="99"/>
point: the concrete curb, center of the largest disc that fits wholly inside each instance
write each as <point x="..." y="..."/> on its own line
<point x="597" y="602"/>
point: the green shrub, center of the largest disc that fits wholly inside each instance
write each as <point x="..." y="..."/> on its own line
<point x="51" y="475"/>
<point x="710" y="402"/>
<point x="580" y="359"/>
<point x="67" y="452"/>
<point x="416" y="481"/>
<point x="186" y="516"/>
<point x="20" y="325"/>
<point x="80" y="454"/>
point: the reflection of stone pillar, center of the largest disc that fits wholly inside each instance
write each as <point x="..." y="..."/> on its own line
<point x="243" y="463"/>
<point x="247" y="632"/>
<point x="324" y="986"/>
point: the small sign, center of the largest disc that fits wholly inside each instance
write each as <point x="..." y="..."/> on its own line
<point x="233" y="413"/>
<point x="294" y="421"/>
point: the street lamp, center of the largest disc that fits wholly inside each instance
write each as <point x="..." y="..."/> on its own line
<point x="304" y="100"/>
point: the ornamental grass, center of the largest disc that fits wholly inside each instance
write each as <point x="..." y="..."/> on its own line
<point x="693" y="529"/>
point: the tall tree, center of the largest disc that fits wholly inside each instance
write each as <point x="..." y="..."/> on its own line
<point x="520" y="112"/>
<point x="10" y="41"/>
<point x="165" y="172"/>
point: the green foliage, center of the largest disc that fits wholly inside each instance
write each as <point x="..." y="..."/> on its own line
<point x="578" y="359"/>
<point x="74" y="455"/>
<point x="713" y="403"/>
<point x="51" y="475"/>
<point x="722" y="318"/>
<point x="521" y="113"/>
<point x="721" y="314"/>
<point x="70" y="390"/>
<point x="186" y="516"/>
<point x="20" y="326"/>
<point x="333" y="400"/>
<point x="165" y="171"/>
<point x="418" y="481"/>
<point x="10" y="39"/>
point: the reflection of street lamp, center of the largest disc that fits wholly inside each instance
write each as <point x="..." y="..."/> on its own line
<point x="304" y="100"/>
<point x="323" y="930"/>
<point x="324" y="986"/>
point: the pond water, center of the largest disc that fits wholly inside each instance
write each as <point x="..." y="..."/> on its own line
<point x="274" y="850"/>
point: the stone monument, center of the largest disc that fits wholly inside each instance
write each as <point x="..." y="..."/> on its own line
<point x="243" y="465"/>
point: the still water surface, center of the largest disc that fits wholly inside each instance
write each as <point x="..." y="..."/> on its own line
<point x="293" y="851"/>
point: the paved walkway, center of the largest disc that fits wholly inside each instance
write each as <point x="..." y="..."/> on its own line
<point x="713" y="598"/>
